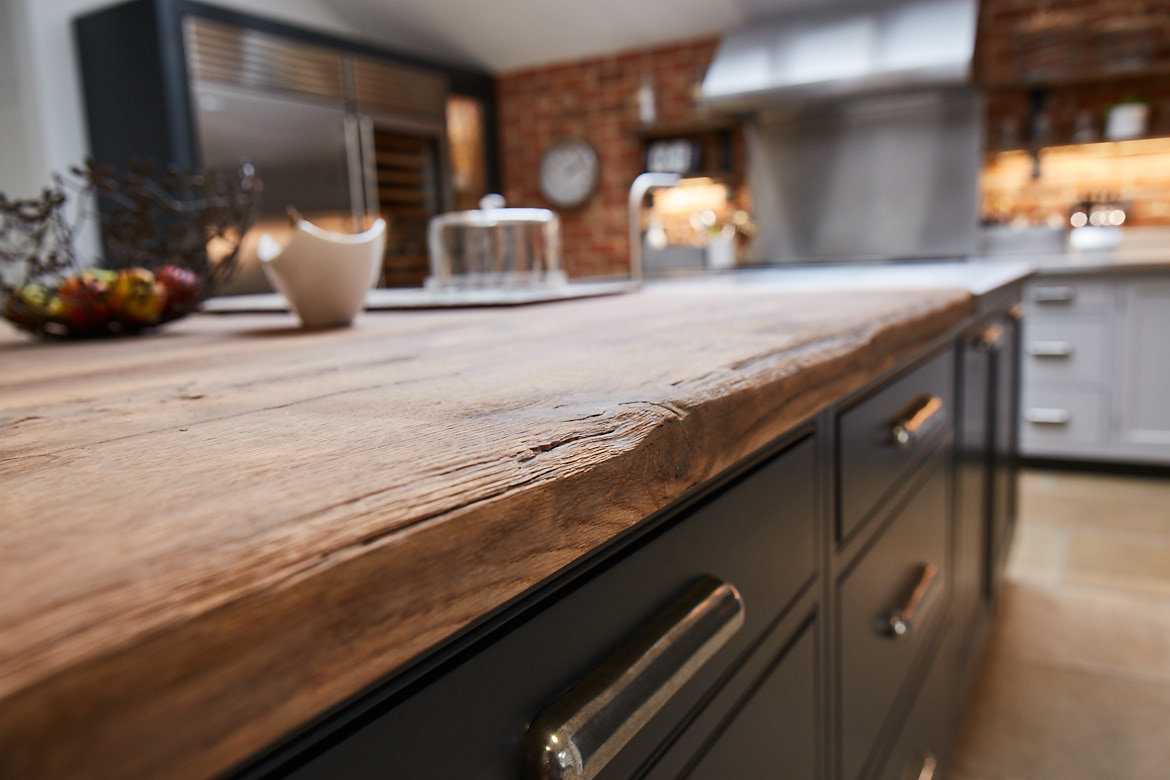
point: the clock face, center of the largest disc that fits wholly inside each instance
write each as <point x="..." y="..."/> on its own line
<point x="568" y="173"/>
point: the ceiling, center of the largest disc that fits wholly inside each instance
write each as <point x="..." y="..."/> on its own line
<point x="507" y="35"/>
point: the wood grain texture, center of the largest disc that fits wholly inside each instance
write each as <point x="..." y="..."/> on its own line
<point x="215" y="533"/>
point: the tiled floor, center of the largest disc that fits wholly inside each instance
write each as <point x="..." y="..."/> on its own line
<point x="1076" y="682"/>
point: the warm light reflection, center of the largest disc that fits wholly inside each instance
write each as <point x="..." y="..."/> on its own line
<point x="691" y="212"/>
<point x="1134" y="174"/>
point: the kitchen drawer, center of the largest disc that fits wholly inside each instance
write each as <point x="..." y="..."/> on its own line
<point x="765" y="721"/>
<point x="872" y="462"/>
<point x="1060" y="421"/>
<point x="1066" y="349"/>
<point x="774" y="733"/>
<point x="876" y="660"/>
<point x="1068" y="295"/>
<point x="758" y="534"/>
<point x="922" y="748"/>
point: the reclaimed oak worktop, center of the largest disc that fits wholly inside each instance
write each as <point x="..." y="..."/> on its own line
<point x="214" y="533"/>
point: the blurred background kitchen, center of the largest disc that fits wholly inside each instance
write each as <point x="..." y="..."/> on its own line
<point x="781" y="132"/>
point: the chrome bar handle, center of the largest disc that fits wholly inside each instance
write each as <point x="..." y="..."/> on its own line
<point x="991" y="338"/>
<point x="580" y="733"/>
<point x="1050" y="349"/>
<point x="929" y="767"/>
<point x="917" y="422"/>
<point x="899" y="622"/>
<point x="1042" y="416"/>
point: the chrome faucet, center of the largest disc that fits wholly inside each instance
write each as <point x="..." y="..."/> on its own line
<point x="638" y="191"/>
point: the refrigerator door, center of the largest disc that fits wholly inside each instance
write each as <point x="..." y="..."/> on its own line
<point x="306" y="153"/>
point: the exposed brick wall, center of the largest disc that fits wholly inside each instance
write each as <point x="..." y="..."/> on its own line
<point x="1043" y="64"/>
<point x="1079" y="55"/>
<point x="594" y="99"/>
<point x="1051" y="41"/>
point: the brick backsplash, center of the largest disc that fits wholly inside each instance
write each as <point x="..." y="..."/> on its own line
<point x="1048" y="65"/>
<point x="595" y="100"/>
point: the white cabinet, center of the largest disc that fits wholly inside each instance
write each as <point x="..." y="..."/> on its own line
<point x="1141" y="403"/>
<point x="1096" y="368"/>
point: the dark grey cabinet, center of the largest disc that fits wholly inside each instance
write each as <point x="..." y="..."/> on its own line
<point x="864" y="549"/>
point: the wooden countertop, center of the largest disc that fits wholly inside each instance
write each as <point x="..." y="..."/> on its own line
<point x="214" y="533"/>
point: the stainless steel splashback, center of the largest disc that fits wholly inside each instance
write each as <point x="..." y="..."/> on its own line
<point x="880" y="177"/>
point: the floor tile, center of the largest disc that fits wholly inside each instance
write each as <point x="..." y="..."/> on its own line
<point x="1076" y="682"/>
<point x="1029" y="721"/>
<point x="1038" y="554"/>
<point x="1131" y="504"/>
<point x="1111" y="561"/>
<point x="1104" y="632"/>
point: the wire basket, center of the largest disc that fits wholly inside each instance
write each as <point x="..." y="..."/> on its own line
<point x="169" y="242"/>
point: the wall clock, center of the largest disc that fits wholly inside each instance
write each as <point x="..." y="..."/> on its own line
<point x="569" y="172"/>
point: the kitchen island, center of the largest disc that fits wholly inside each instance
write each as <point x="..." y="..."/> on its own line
<point x="235" y="539"/>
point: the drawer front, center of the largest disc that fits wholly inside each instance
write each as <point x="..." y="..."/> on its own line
<point x="1066" y="349"/>
<point x="922" y="749"/>
<point x="1061" y="421"/>
<point x="872" y="463"/>
<point x="1068" y="295"/>
<point x="759" y="535"/>
<point x="774" y="733"/>
<point x="876" y="662"/>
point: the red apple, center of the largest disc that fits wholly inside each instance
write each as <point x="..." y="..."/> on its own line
<point x="183" y="290"/>
<point x="85" y="301"/>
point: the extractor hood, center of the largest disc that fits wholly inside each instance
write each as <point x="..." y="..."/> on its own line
<point x="878" y="47"/>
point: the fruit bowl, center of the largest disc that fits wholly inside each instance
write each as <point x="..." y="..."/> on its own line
<point x="168" y="243"/>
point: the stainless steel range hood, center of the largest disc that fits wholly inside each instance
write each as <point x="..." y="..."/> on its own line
<point x="863" y="130"/>
<point x="839" y="53"/>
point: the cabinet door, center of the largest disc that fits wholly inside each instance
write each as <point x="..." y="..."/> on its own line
<point x="1005" y="381"/>
<point x="1141" y="425"/>
<point x="974" y="477"/>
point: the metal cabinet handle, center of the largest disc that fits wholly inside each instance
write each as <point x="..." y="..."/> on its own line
<point x="1048" y="416"/>
<point x="581" y="732"/>
<point x="1050" y="349"/>
<point x="918" y="421"/>
<point x="929" y="767"/>
<point x="991" y="338"/>
<point x="899" y="622"/>
<point x="1060" y="294"/>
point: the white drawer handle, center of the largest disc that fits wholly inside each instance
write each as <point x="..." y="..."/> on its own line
<point x="579" y="733"/>
<point x="1048" y="416"/>
<point x="1050" y="349"/>
<point x="1061" y="294"/>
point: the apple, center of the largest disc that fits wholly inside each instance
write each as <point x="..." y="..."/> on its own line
<point x="183" y="290"/>
<point x="84" y="301"/>
<point x="137" y="296"/>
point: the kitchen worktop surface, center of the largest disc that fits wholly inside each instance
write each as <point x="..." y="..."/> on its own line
<point x="216" y="532"/>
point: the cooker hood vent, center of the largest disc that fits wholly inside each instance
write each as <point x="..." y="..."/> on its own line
<point x="893" y="46"/>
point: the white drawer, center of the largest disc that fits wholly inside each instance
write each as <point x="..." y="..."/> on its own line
<point x="1061" y="422"/>
<point x="1066" y="349"/>
<point x="1068" y="294"/>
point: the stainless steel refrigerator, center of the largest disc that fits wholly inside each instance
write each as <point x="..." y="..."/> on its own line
<point x="337" y="137"/>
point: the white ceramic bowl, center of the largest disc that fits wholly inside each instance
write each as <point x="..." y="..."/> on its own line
<point x="324" y="275"/>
